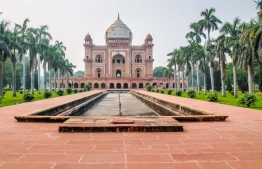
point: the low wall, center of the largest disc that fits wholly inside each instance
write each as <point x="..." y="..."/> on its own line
<point x="166" y="108"/>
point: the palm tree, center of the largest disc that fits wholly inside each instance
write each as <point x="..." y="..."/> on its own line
<point x="256" y="38"/>
<point x="210" y="56"/>
<point x="221" y="49"/>
<point x="248" y="52"/>
<point x="209" y="22"/>
<point x="34" y="49"/>
<point x="5" y="50"/>
<point x="186" y="53"/>
<point x="168" y="73"/>
<point x="46" y="54"/>
<point x="58" y="61"/>
<point x="232" y="33"/>
<point x="196" y="32"/>
<point x="43" y="36"/>
<point x="23" y="33"/>
<point x="15" y="40"/>
<point x="172" y="62"/>
<point x="195" y="36"/>
<point x="68" y="70"/>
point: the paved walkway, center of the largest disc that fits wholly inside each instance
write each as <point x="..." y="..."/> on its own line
<point x="235" y="143"/>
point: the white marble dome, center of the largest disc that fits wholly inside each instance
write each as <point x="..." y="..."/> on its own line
<point x="118" y="30"/>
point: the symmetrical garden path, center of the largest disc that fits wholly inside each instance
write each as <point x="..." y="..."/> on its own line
<point x="235" y="143"/>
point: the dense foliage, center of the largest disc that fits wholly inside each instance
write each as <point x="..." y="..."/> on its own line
<point x="212" y="97"/>
<point x="248" y="100"/>
<point x="88" y="87"/>
<point x="60" y="92"/>
<point x="149" y="87"/>
<point x="28" y="97"/>
<point x="69" y="90"/>
<point x="47" y="94"/>
<point x="191" y="94"/>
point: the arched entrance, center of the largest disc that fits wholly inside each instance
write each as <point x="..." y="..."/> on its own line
<point x="96" y="85"/>
<point x="134" y="86"/>
<point x="141" y="85"/>
<point x="167" y="85"/>
<point x="118" y="73"/>
<point x="103" y="86"/>
<point x="69" y="85"/>
<point x="118" y="85"/>
<point x="111" y="86"/>
<point x="125" y="85"/>
<point x="82" y="85"/>
<point x="75" y="85"/>
<point x="154" y="85"/>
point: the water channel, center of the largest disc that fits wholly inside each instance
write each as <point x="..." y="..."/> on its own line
<point x="109" y="106"/>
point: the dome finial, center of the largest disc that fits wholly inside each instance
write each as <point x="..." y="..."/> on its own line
<point x="118" y="16"/>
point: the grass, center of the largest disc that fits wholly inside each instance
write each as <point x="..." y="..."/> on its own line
<point x="228" y="100"/>
<point x="10" y="100"/>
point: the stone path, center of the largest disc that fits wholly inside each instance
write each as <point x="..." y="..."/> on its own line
<point x="235" y="143"/>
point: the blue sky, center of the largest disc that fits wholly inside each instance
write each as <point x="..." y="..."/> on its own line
<point x="166" y="20"/>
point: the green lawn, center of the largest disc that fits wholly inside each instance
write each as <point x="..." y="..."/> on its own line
<point x="10" y="100"/>
<point x="228" y="100"/>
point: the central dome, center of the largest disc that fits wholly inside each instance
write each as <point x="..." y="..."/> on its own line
<point x="118" y="30"/>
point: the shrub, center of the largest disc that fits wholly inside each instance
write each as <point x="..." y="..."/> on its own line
<point x="179" y="93"/>
<point x="248" y="99"/>
<point x="157" y="90"/>
<point x="88" y="87"/>
<point x="69" y="90"/>
<point x="80" y="91"/>
<point x="75" y="91"/>
<point x="162" y="91"/>
<point x="169" y="91"/>
<point x="60" y="92"/>
<point x="21" y="91"/>
<point x="0" y="99"/>
<point x="191" y="94"/>
<point x="4" y="93"/>
<point x="152" y="90"/>
<point x="212" y="97"/>
<point x="28" y="97"/>
<point x="149" y="87"/>
<point x="85" y="89"/>
<point x="47" y="94"/>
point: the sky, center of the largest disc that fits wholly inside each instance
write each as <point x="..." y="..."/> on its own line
<point x="166" y="20"/>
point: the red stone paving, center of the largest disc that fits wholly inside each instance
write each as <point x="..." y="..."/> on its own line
<point x="233" y="144"/>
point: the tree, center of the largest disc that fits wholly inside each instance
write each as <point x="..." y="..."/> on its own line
<point x="232" y="34"/>
<point x="158" y="71"/>
<point x="23" y="47"/>
<point x="196" y="32"/>
<point x="168" y="74"/>
<point x="5" y="49"/>
<point x="80" y="74"/>
<point x="247" y="55"/>
<point x="43" y="40"/>
<point x="221" y="49"/>
<point x="209" y="22"/>
<point x="7" y="78"/>
<point x="210" y="56"/>
<point x="172" y="62"/>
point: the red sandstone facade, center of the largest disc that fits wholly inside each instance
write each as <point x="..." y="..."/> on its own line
<point x="118" y="64"/>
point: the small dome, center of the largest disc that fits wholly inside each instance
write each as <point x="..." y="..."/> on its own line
<point x="149" y="37"/>
<point x="88" y="37"/>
